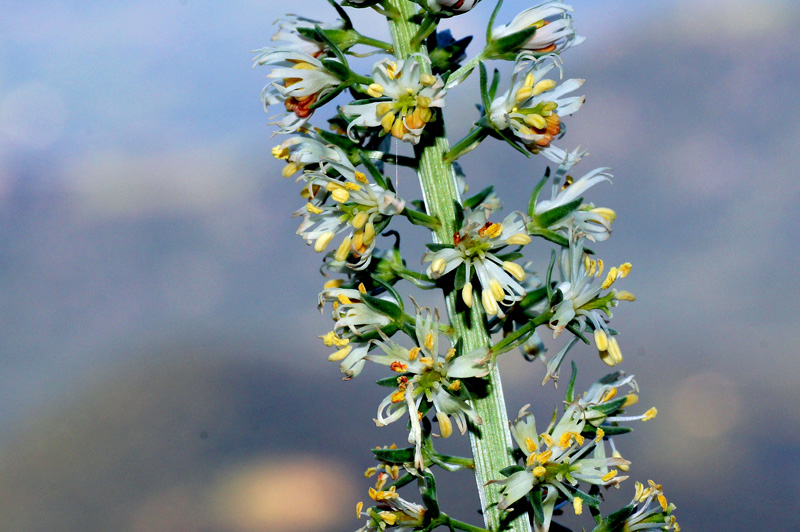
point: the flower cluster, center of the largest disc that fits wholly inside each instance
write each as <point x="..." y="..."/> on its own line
<point x="441" y="371"/>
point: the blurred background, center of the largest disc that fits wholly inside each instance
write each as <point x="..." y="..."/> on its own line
<point x="159" y="366"/>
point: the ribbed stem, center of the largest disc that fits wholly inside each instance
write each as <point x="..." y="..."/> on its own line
<point x="491" y="442"/>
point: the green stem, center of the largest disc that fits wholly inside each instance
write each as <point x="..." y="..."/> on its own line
<point x="507" y="343"/>
<point x="491" y="441"/>
<point x="369" y="41"/>
<point x="466" y="527"/>
<point x="467" y="144"/>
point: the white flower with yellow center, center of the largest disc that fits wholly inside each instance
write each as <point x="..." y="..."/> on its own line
<point x="306" y="150"/>
<point x="408" y="99"/>
<point x="595" y="223"/>
<point x="304" y="80"/>
<point x="533" y="106"/>
<point x="346" y="203"/>
<point x="581" y="300"/>
<point x="424" y="374"/>
<point x="553" y="459"/>
<point x="475" y="246"/>
<point x="554" y="31"/>
<point x="288" y="32"/>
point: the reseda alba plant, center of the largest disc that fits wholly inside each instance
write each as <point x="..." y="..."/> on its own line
<point x="442" y="373"/>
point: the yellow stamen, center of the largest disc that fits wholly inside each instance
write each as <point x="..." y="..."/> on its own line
<point x="530" y="444"/>
<point x="331" y="339"/>
<point x="426" y="361"/>
<point x="650" y="414"/>
<point x="466" y="294"/>
<point x="539" y="471"/>
<point x="609" y="395"/>
<point x="614" y="351"/>
<point x="630" y="399"/>
<point x="343" y="250"/>
<point x="600" y="435"/>
<point x="662" y="501"/>
<point x="608" y="476"/>
<point x="359" y="220"/>
<point x="359" y="506"/>
<point x="280" y="152"/>
<point x="547" y="439"/>
<point x="370" y="472"/>
<point x="544" y="457"/>
<point x="387" y="121"/>
<point x="333" y="283"/>
<point x="544" y="85"/>
<point x="445" y="425"/>
<point x="518" y="239"/>
<point x="429" y="341"/>
<point x="493" y="231"/>
<point x="352" y="186"/>
<point x="398" y="129"/>
<point x="601" y="340"/>
<point x="398" y="396"/>
<point x="362" y="288"/>
<point x="313" y="209"/>
<point x="610" y="278"/>
<point x="343" y="299"/>
<point x="624" y="295"/>
<point x="523" y="93"/>
<point x="514" y="269"/>
<point x="489" y="303"/>
<point x="413" y="353"/>
<point x="383" y="108"/>
<point x="290" y="169"/>
<point x="449" y="355"/>
<point x="497" y="289"/>
<point x="536" y="121"/>
<point x="302" y="65"/>
<point x="391" y="69"/>
<point x="427" y="79"/>
<point x="455" y="386"/>
<point x="388" y="517"/>
<point x="340" y="354"/>
<point x="369" y="233"/>
<point x="340" y="195"/>
<point x="606" y="213"/>
<point x="577" y="505"/>
<point x="529" y="80"/>
<point x="323" y="241"/>
<point x="375" y="90"/>
<point x="625" y="269"/>
<point x="361" y="176"/>
<point x="625" y="467"/>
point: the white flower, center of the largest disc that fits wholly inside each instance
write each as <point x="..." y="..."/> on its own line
<point x="288" y="32"/>
<point x="533" y="105"/>
<point x="473" y="246"/>
<point x="304" y="80"/>
<point x="554" y="31"/>
<point x="594" y="223"/>
<point x="649" y="517"/>
<point x="348" y="203"/>
<point x="409" y="98"/>
<point x="426" y="375"/>
<point x="554" y="458"/>
<point x="301" y="151"/>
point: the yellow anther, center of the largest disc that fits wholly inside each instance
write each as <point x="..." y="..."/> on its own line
<point x="388" y="517"/>
<point x="608" y="476"/>
<point x="340" y="195"/>
<point x="614" y="351"/>
<point x="531" y="445"/>
<point x="369" y="233"/>
<point x="333" y="283"/>
<point x="359" y="219"/>
<point x="302" y="65"/>
<point x="425" y="114"/>
<point x="630" y="399"/>
<point x="544" y="457"/>
<point x="529" y="80"/>
<point x="383" y="108"/>
<point x="359" y="506"/>
<point x="624" y="295"/>
<point x="623" y="467"/>
<point x="361" y="176"/>
<point x="466" y="294"/>
<point x="539" y="471"/>
<point x="331" y="338"/>
<point x="606" y="213"/>
<point x="639" y="489"/>
<point x="547" y="439"/>
<point x="445" y="425"/>
<point x="600" y="267"/>
<point x="610" y="278"/>
<point x="601" y="340"/>
<point x="497" y="289"/>
<point x="609" y="395"/>
<point x="530" y="460"/>
<point x="449" y="355"/>
<point x="381" y="481"/>
<point x="370" y="472"/>
<point x="313" y="209"/>
<point x="523" y="93"/>
<point x="489" y="303"/>
<point x="662" y="501"/>
<point x="493" y="231"/>
<point x="290" y="169"/>
<point x="544" y="85"/>
<point x="600" y="435"/>
<point x="650" y="414"/>
<point x="362" y="288"/>
<point x="322" y="242"/>
<point x="423" y="101"/>
<point x="343" y="299"/>
<point x="577" y="505"/>
<point x="398" y="129"/>
<point x="438" y="266"/>
<point x="427" y="79"/>
<point x="549" y="107"/>
<point x="391" y="69"/>
<point x="375" y="90"/>
<point x="518" y="239"/>
<point x="624" y="270"/>
<point x="413" y="353"/>
<point x="343" y="250"/>
<point x="340" y="354"/>
<point x="398" y="396"/>
<point x="280" y="152"/>
<point x="358" y="241"/>
<point x="429" y="341"/>
<point x="352" y="186"/>
<point x="393" y="470"/>
<point x="536" y="121"/>
<point x="330" y="186"/>
<point x="455" y="386"/>
<point x="387" y="121"/>
<point x="514" y="269"/>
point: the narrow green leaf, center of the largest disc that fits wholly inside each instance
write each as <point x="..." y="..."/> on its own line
<point x="461" y="277"/>
<point x="391" y="382"/>
<point x="459" y="210"/>
<point x="548" y="283"/>
<point x="571" y="385"/>
<point x="336" y="68"/>
<point x="437" y="247"/>
<point x="372" y="169"/>
<point x="615" y="431"/>
<point x="536" y="503"/>
<point x="394" y="456"/>
<point x="348" y="24"/>
<point x="495" y="11"/>
<point x="548" y="218"/>
<point x="342" y="141"/>
<point x="384" y="307"/>
<point x="495" y="84"/>
<point x="552" y="236"/>
<point x="323" y="38"/>
<point x="478" y="198"/>
<point x="429" y="497"/>
<point x="610" y="407"/>
<point x="511" y="43"/>
<point x="487" y="102"/>
<point x="535" y="193"/>
<point x="419" y="218"/>
<point x="510" y="470"/>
